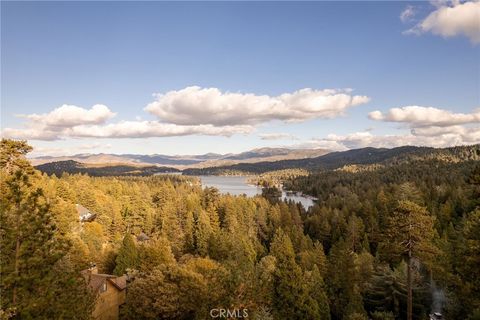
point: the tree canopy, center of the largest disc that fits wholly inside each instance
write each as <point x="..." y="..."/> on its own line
<point x="381" y="232"/>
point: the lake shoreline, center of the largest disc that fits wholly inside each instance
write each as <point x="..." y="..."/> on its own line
<point x="240" y="185"/>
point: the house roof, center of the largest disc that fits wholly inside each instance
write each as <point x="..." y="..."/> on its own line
<point x="119" y="282"/>
<point x="84" y="213"/>
<point x="142" y="237"/>
<point x="95" y="280"/>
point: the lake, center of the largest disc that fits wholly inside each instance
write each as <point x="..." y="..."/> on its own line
<point x="238" y="185"/>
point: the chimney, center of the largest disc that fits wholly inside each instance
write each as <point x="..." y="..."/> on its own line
<point x="93" y="269"/>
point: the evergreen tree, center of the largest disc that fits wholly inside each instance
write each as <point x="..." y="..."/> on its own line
<point x="155" y="253"/>
<point x="343" y="282"/>
<point x="409" y="235"/>
<point x="188" y="227"/>
<point x="315" y="256"/>
<point x="35" y="271"/>
<point x="12" y="157"/>
<point x="202" y="232"/>
<point x="470" y="259"/>
<point x="264" y="280"/>
<point x="355" y="230"/>
<point x="317" y="292"/>
<point x="93" y="237"/>
<point x="177" y="291"/>
<point x="128" y="257"/>
<point x="170" y="292"/>
<point x="290" y="294"/>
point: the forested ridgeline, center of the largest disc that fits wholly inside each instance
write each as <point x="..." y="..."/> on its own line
<point x="188" y="250"/>
<point x="101" y="170"/>
<point x="363" y="156"/>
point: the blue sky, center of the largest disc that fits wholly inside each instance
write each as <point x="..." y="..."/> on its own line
<point x="118" y="54"/>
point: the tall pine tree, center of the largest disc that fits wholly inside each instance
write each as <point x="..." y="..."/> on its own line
<point x="291" y="298"/>
<point x="34" y="274"/>
<point x="128" y="256"/>
<point x="410" y="235"/>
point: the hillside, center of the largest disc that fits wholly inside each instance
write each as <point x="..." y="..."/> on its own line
<point x="362" y="156"/>
<point x="59" y="167"/>
<point x="329" y="161"/>
<point x="188" y="161"/>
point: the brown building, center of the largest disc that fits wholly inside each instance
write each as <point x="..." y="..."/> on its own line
<point x="111" y="293"/>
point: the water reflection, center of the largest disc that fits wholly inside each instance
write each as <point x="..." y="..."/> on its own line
<point x="238" y="185"/>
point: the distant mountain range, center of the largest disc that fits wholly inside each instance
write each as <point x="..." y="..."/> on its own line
<point x="250" y="162"/>
<point x="188" y="161"/>
<point x="363" y="156"/>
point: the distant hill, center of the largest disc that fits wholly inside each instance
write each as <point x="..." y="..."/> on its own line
<point x="362" y="156"/>
<point x="188" y="161"/>
<point x="123" y="159"/>
<point x="69" y="166"/>
<point x="262" y="155"/>
<point x="247" y="162"/>
<point x="272" y="152"/>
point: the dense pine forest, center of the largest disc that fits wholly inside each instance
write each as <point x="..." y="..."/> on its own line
<point x="386" y="240"/>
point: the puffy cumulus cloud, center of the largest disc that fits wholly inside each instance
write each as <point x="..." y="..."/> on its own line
<point x="190" y="111"/>
<point x="452" y="20"/>
<point x="464" y="134"/>
<point x="417" y="116"/>
<point x="69" y="115"/>
<point x="408" y="13"/>
<point x="277" y="136"/>
<point x="436" y="137"/>
<point x="70" y="121"/>
<point x="34" y="133"/>
<point x="146" y="129"/>
<point x="201" y="106"/>
<point x="53" y="125"/>
<point x="434" y="131"/>
<point x="123" y="129"/>
<point x="428" y="127"/>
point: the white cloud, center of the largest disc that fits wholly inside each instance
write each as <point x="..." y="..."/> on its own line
<point x="146" y="129"/>
<point x="190" y="111"/>
<point x="438" y="137"/>
<point x="429" y="126"/>
<point x="200" y="106"/>
<point x="434" y="131"/>
<point x="452" y="20"/>
<point x="36" y="133"/>
<point x="69" y="115"/>
<point x="464" y="134"/>
<point x="408" y="13"/>
<point x="70" y="121"/>
<point x="320" y="144"/>
<point x="55" y="124"/>
<point x="417" y="116"/>
<point x="123" y="129"/>
<point x="277" y="136"/>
